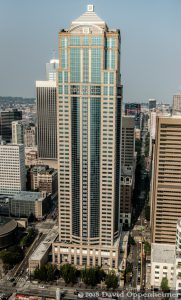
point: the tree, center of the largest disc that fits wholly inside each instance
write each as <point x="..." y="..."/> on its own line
<point x="12" y="255"/>
<point x="46" y="273"/>
<point x="147" y="213"/>
<point x="92" y="276"/>
<point x="28" y="239"/>
<point x="164" y="285"/>
<point x="68" y="273"/>
<point x="147" y="248"/>
<point x="111" y="280"/>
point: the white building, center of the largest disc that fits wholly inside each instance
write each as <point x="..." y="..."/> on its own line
<point x="176" y="103"/>
<point x="12" y="169"/>
<point x="51" y="69"/>
<point x="17" y="132"/>
<point x="162" y="264"/>
<point x="178" y="260"/>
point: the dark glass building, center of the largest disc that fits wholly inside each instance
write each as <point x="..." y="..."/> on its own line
<point x="6" y="119"/>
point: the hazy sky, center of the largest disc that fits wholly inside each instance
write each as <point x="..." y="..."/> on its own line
<point x="150" y="50"/>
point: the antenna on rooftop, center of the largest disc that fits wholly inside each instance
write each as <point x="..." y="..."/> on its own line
<point x="54" y="54"/>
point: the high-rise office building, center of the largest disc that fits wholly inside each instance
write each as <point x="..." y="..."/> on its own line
<point x="89" y="131"/>
<point x="12" y="169"/>
<point x="18" y="132"/>
<point x="30" y="136"/>
<point x="134" y="109"/>
<point x="152" y="104"/>
<point x="176" y="103"/>
<point x="51" y="69"/>
<point x="127" y="168"/>
<point x="46" y="120"/>
<point x="6" y="119"/>
<point x="128" y="141"/>
<point x="166" y="180"/>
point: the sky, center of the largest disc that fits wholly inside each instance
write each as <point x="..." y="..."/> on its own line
<point x="150" y="43"/>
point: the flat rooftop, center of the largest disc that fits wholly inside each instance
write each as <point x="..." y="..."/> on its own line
<point x="27" y="196"/>
<point x="45" y="244"/>
<point x="162" y="253"/>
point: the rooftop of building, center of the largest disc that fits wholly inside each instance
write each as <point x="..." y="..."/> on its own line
<point x="46" y="83"/>
<point x="7" y="225"/>
<point x="162" y="253"/>
<point x="28" y="196"/>
<point x="42" y="169"/>
<point x="4" y="144"/>
<point x="89" y="17"/>
<point x="45" y="244"/>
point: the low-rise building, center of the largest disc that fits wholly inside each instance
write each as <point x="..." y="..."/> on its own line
<point x="23" y="204"/>
<point x="8" y="230"/>
<point x="40" y="255"/>
<point x="42" y="178"/>
<point x="162" y="264"/>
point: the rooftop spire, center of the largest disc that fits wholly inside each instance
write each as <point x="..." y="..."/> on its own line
<point x="89" y="18"/>
<point x="90" y="7"/>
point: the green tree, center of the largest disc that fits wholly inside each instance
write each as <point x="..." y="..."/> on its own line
<point x="68" y="273"/>
<point x="111" y="280"/>
<point x="28" y="239"/>
<point x="46" y="273"/>
<point x="147" y="248"/>
<point x="164" y="285"/>
<point x="12" y="255"/>
<point x="92" y="276"/>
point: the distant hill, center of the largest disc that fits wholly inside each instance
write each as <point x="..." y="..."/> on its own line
<point x="16" y="100"/>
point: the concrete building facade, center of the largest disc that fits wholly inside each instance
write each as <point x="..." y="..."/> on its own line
<point x="166" y="180"/>
<point x="162" y="264"/>
<point x="176" y="103"/>
<point x="12" y="169"/>
<point x="17" y="132"/>
<point x="23" y="204"/>
<point x="127" y="168"/>
<point x="30" y="136"/>
<point x="43" y="178"/>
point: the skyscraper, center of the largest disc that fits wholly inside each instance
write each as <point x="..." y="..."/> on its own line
<point x="46" y="120"/>
<point x="166" y="180"/>
<point x="177" y="103"/>
<point x="12" y="169"/>
<point x="128" y="141"/>
<point x="18" y="132"/>
<point x="89" y="131"/>
<point x="134" y="109"/>
<point x="51" y="69"/>
<point x="151" y="104"/>
<point x="127" y="168"/>
<point x="6" y="119"/>
<point x="30" y="136"/>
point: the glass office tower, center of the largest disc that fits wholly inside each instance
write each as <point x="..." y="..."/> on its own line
<point x="89" y="129"/>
